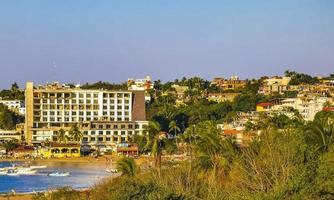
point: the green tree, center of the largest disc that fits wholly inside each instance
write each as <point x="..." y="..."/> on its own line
<point x="62" y="136"/>
<point x="75" y="133"/>
<point x="176" y="129"/>
<point x="320" y="133"/>
<point x="127" y="166"/>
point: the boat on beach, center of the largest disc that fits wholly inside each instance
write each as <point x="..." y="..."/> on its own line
<point x="111" y="170"/>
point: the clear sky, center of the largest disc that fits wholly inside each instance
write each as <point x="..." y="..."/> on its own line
<point x="112" y="40"/>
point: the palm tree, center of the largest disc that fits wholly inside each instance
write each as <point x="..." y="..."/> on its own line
<point x="320" y="133"/>
<point x="76" y="134"/>
<point x="127" y="166"/>
<point x="62" y="137"/>
<point x="174" y="127"/>
<point x="156" y="141"/>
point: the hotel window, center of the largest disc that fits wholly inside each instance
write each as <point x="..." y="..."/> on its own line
<point x="74" y="113"/>
<point x="111" y="95"/>
<point x="100" y="126"/>
<point x="115" y="139"/>
<point x="107" y="132"/>
<point x="123" y="139"/>
<point x="119" y="101"/>
<point x="88" y="118"/>
<point x="88" y="101"/>
<point x="96" y="107"/>
<point x="52" y="119"/>
<point x="119" y="118"/>
<point x="105" y="95"/>
<point x="126" y="107"/>
<point x="96" y="101"/>
<point x="108" y="126"/>
<point x="67" y="119"/>
<point x="81" y="113"/>
<point x="52" y="101"/>
<point x="112" y="101"/>
<point x="122" y="132"/>
<point x="119" y="113"/>
<point x="100" y="139"/>
<point x="126" y="113"/>
<point x="115" y="126"/>
<point x="112" y="107"/>
<point x="74" y="119"/>
<point x="130" y="126"/>
<point x="74" y="95"/>
<point x="45" y="101"/>
<point x="92" y="132"/>
<point x="122" y="126"/>
<point x="45" y="119"/>
<point x="105" y="113"/>
<point x="81" y="95"/>
<point x="85" y="139"/>
<point x="59" y="95"/>
<point x="105" y="107"/>
<point x="92" y="139"/>
<point x="119" y="95"/>
<point x="100" y="132"/>
<point x="96" y="113"/>
<point x="81" y="101"/>
<point x="115" y="132"/>
<point x="130" y="132"/>
<point x="67" y="101"/>
<point x="127" y="101"/>
<point x="45" y="113"/>
<point x="59" y="119"/>
<point x="137" y="126"/>
<point x="74" y="101"/>
<point x="88" y="113"/>
<point x="96" y="95"/>
<point x="112" y="119"/>
<point x="88" y="95"/>
<point x="126" y="119"/>
<point x="108" y="139"/>
<point x="93" y="126"/>
<point x="85" y="132"/>
<point x="81" y="119"/>
<point x="126" y="95"/>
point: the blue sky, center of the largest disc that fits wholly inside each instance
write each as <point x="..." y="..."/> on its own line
<point x="91" y="40"/>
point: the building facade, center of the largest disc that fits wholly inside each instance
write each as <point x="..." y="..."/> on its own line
<point x="102" y="115"/>
<point x="234" y="83"/>
<point x="14" y="105"/>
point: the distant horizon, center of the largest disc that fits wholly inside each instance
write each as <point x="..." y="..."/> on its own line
<point x="108" y="40"/>
<point x="22" y="85"/>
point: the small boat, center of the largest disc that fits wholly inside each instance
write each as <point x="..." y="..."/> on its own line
<point x="26" y="171"/>
<point x="112" y="170"/>
<point x="38" y="166"/>
<point x="12" y="172"/>
<point x="3" y="171"/>
<point x="59" y="174"/>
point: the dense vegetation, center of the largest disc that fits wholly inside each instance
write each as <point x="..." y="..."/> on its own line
<point x="8" y="118"/>
<point x="290" y="163"/>
<point x="13" y="93"/>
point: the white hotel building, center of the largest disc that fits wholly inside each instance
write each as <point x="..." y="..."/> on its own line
<point x="104" y="116"/>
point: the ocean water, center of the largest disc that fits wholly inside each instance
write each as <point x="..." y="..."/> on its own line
<point x="82" y="175"/>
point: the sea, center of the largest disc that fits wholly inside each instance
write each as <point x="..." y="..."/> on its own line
<point x="82" y="175"/>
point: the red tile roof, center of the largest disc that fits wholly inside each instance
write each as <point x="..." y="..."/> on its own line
<point x="264" y="104"/>
<point x="328" y="109"/>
